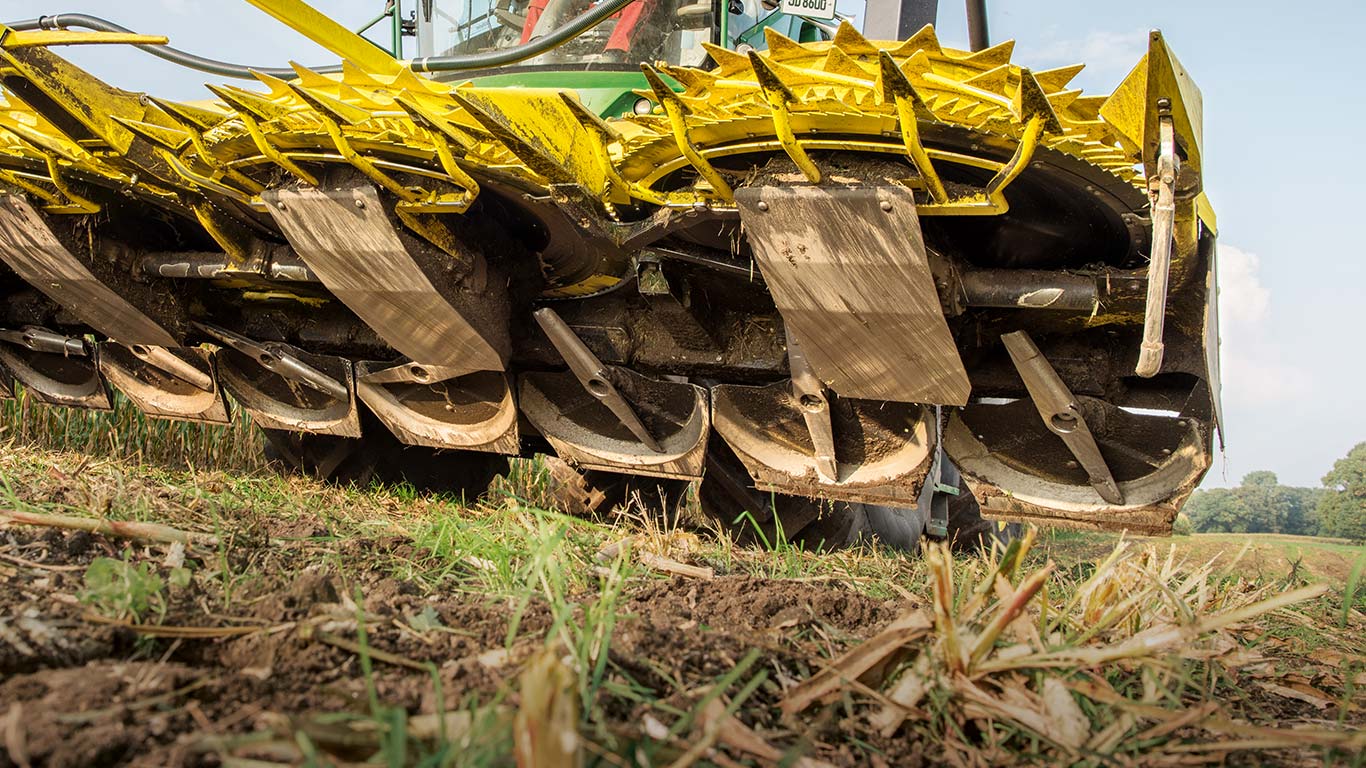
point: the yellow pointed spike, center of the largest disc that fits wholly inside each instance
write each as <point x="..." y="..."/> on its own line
<point x="540" y="130"/>
<point x="170" y="138"/>
<point x="895" y="88"/>
<point x="993" y="80"/>
<point x="1088" y="107"/>
<point x="660" y="90"/>
<point x="781" y="46"/>
<point x="590" y="119"/>
<point x="677" y="113"/>
<point x="408" y="80"/>
<point x="690" y="78"/>
<point x="924" y="39"/>
<point x="1053" y="80"/>
<point x="189" y="114"/>
<point x="310" y="79"/>
<point x="352" y="96"/>
<point x="838" y="62"/>
<point x="355" y="76"/>
<point x="1063" y="99"/>
<point x="769" y="79"/>
<point x="991" y="57"/>
<point x="335" y="108"/>
<point x="726" y="59"/>
<point x="50" y="146"/>
<point x="980" y="110"/>
<point x="779" y="98"/>
<point x="893" y="85"/>
<point x="279" y="89"/>
<point x="428" y="119"/>
<point x="1031" y="102"/>
<point x="247" y="101"/>
<point x="852" y="42"/>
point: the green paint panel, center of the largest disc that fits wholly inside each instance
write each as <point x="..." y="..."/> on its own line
<point x="609" y="93"/>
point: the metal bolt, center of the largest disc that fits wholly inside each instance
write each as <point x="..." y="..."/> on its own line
<point x="763" y="206"/>
<point x="1072" y="465"/>
<point x="1166" y="451"/>
<point x="360" y="203"/>
<point x="1181" y="423"/>
<point x="887" y="206"/>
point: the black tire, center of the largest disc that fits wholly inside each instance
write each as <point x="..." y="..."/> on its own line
<point x="968" y="530"/>
<point x="378" y="456"/>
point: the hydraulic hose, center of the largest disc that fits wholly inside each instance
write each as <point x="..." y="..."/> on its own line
<point x="580" y="24"/>
<point x="175" y="55"/>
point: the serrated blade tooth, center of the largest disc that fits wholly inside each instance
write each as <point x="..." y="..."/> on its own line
<point x="422" y="115"/>
<point x="310" y="79"/>
<point x="991" y="57"/>
<point x="337" y="109"/>
<point x="838" y="62"/>
<point x="541" y="130"/>
<point x="355" y="76"/>
<point x="408" y="80"/>
<point x="924" y="39"/>
<point x="1088" y="107"/>
<point x="279" y="88"/>
<point x="851" y="41"/>
<point x="692" y="79"/>
<point x="189" y="115"/>
<point x="1063" y="99"/>
<point x="170" y="138"/>
<point x="1053" y="80"/>
<point x="727" y="61"/>
<point x="781" y="46"/>
<point x="993" y="80"/>
<point x="250" y="102"/>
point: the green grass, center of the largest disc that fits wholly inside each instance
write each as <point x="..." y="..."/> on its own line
<point x="987" y="678"/>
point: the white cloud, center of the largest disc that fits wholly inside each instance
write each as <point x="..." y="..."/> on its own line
<point x="1243" y="300"/>
<point x="1254" y="371"/>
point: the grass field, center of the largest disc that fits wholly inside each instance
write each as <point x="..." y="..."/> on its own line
<point x="243" y="618"/>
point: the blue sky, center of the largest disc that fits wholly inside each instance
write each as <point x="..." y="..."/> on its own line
<point x="1279" y="111"/>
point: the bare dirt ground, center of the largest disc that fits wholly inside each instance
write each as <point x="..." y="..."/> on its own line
<point x="304" y="624"/>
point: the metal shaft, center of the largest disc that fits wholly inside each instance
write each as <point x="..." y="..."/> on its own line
<point x="977" y="25"/>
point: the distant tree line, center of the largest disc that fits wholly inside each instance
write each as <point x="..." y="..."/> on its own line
<point x="1260" y="504"/>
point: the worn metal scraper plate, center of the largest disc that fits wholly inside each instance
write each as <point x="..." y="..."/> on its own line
<point x="346" y="238"/>
<point x="161" y="395"/>
<point x="30" y="248"/>
<point x="472" y="412"/>
<point x="70" y="382"/>
<point x="848" y="270"/>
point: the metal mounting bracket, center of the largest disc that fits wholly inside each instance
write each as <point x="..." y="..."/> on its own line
<point x="277" y="359"/>
<point x="1058" y="409"/>
<point x="593" y="374"/>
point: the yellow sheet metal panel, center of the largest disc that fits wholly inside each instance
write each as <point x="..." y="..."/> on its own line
<point x="323" y="30"/>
